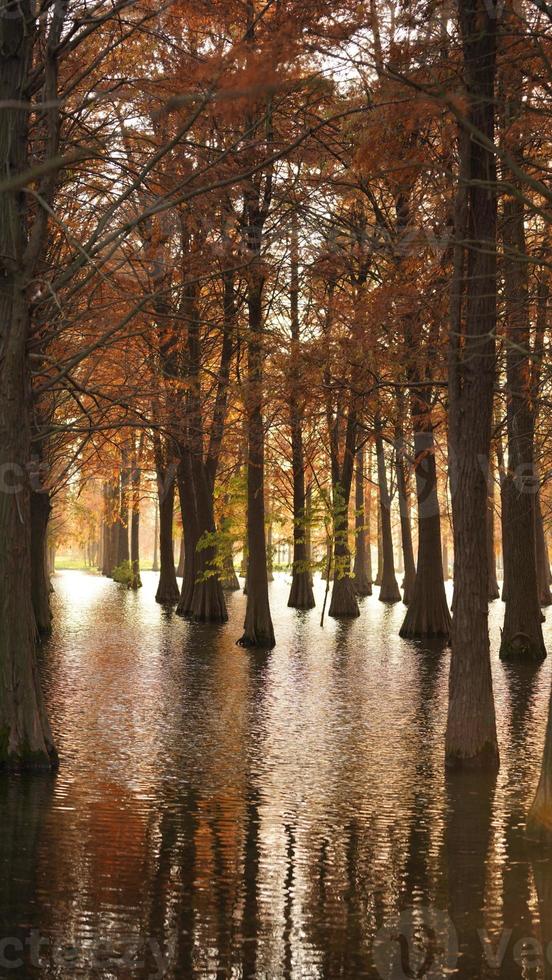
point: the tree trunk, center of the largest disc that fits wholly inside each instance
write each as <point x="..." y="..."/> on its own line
<point x="406" y="528"/>
<point x="269" y="550"/>
<point x="363" y="583"/>
<point x="428" y="613"/>
<point x="229" y="580"/>
<point x="301" y="595"/>
<point x="25" y="737"/>
<point x="379" y="569"/>
<point x="180" y="567"/>
<point x="344" y="602"/>
<point x="168" y="592"/>
<point x="40" y="582"/>
<point x="493" y="591"/>
<point x="539" y="821"/>
<point x="522" y="637"/>
<point x="208" y="603"/>
<point x="258" y="630"/>
<point x="389" y="589"/>
<point x="446" y="572"/>
<point x="191" y="534"/>
<point x="123" y="551"/>
<point x="471" y="727"/>
<point x="135" y="479"/>
<point x="543" y="560"/>
<point x="155" y="562"/>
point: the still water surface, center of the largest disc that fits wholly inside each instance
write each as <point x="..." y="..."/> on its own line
<point x="222" y="813"/>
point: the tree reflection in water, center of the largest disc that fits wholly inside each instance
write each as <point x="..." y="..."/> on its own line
<point x="224" y="813"/>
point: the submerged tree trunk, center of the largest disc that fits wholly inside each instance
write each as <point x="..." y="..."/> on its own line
<point x="301" y="595"/>
<point x="406" y="528"/>
<point x="168" y="592"/>
<point x="208" y="603"/>
<point x="428" y="613"/>
<point x="191" y="534"/>
<point x="471" y="727"/>
<point x="25" y="736"/>
<point x="258" y="630"/>
<point x="362" y="579"/>
<point x="539" y="821"/>
<point x="389" y="589"/>
<point x="135" y="480"/>
<point x="521" y="637"/>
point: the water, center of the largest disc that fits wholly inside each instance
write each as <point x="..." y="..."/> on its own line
<point x="222" y="813"/>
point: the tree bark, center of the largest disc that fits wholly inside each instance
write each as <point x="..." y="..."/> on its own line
<point x="406" y="528"/>
<point x="123" y="551"/>
<point x="493" y="590"/>
<point x="25" y="736"/>
<point x="181" y="553"/>
<point x="135" y="480"/>
<point x="155" y="561"/>
<point x="428" y="613"/>
<point x="258" y="629"/>
<point x="521" y="637"/>
<point x="389" y="589"/>
<point x="471" y="727"/>
<point x="362" y="579"/>
<point x="168" y="592"/>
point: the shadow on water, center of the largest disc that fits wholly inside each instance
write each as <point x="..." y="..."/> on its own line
<point x="229" y="813"/>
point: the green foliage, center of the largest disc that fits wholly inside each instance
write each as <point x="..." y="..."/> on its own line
<point x="123" y="573"/>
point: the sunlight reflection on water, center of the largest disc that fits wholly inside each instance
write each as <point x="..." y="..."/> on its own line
<point x="224" y="813"/>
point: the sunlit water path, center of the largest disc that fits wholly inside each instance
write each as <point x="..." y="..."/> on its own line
<point x="221" y="813"/>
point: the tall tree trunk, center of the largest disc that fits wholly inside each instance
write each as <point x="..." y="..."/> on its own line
<point x="301" y="595"/>
<point x="493" y="591"/>
<point x="379" y="569"/>
<point x="543" y="558"/>
<point x="428" y="613"/>
<point x="25" y="735"/>
<point x="363" y="583"/>
<point x="191" y="533"/>
<point x="389" y="589"/>
<point x="446" y="558"/>
<point x="539" y="821"/>
<point x="522" y="637"/>
<point x="258" y="630"/>
<point x="344" y="601"/>
<point x="168" y="592"/>
<point x="181" y="552"/>
<point x="135" y="480"/>
<point x="471" y="726"/>
<point x="208" y="603"/>
<point x="155" y="561"/>
<point x="123" y="551"/>
<point x="406" y="528"/>
<point x="368" y="517"/>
